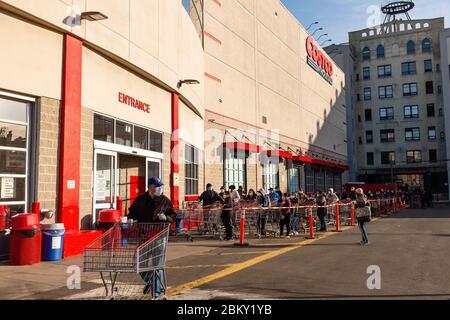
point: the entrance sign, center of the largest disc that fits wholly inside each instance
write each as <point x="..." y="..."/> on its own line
<point x="318" y="61"/>
<point x="135" y="103"/>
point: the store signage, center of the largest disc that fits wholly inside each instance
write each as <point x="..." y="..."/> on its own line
<point x="318" y="61"/>
<point x="7" y="188"/>
<point x="135" y="103"/>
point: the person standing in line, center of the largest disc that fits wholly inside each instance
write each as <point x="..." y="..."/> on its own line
<point x="263" y="201"/>
<point x="362" y="214"/>
<point x="234" y="194"/>
<point x="353" y="194"/>
<point x="285" y="215"/>
<point x="251" y="195"/>
<point x="321" y="202"/>
<point x="227" y="214"/>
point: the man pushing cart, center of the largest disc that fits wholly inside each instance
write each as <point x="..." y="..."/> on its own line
<point x="138" y="246"/>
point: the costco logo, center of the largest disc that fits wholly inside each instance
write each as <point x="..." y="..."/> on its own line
<point x="318" y="61"/>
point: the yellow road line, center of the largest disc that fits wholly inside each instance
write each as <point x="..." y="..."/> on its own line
<point x="231" y="253"/>
<point x="249" y="263"/>
<point x="200" y="266"/>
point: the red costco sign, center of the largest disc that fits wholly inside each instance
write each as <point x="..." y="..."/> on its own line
<point x="318" y="61"/>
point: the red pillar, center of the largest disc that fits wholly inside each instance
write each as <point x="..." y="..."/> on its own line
<point x="69" y="159"/>
<point x="174" y="146"/>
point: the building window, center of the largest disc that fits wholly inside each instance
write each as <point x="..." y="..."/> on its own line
<point x="411" y="112"/>
<point x="409" y="89"/>
<point x="103" y="129"/>
<point x="431" y="133"/>
<point x="426" y="45"/>
<point x="428" y="65"/>
<point x="429" y="87"/>
<point x="432" y="155"/>
<point x="387" y="135"/>
<point x="124" y="133"/>
<point x="191" y="164"/>
<point x="412" y="134"/>
<point x="338" y="182"/>
<point x="369" y="136"/>
<point x="293" y="179"/>
<point x="413" y="156"/>
<point x="368" y="114"/>
<point x="366" y="53"/>
<point x="441" y="112"/>
<point x="235" y="171"/>
<point x="385" y="92"/>
<point x="140" y="138"/>
<point x="380" y="51"/>
<point x="156" y="142"/>
<point x="309" y="180"/>
<point x="271" y="175"/>
<point x="386" y="114"/>
<point x="367" y="94"/>
<point x="14" y="147"/>
<point x="319" y="178"/>
<point x="431" y="110"/>
<point x="384" y="71"/>
<point x="410" y="47"/>
<point x="370" y="159"/>
<point x="409" y="68"/>
<point x="388" y="157"/>
<point x="358" y="97"/>
<point x="366" y="73"/>
<point x="442" y="135"/>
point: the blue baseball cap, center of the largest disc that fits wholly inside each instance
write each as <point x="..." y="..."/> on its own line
<point x="155" y="181"/>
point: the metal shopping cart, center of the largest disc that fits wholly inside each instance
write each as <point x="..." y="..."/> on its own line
<point x="134" y="256"/>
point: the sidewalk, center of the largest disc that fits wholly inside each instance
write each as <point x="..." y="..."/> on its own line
<point x="48" y="280"/>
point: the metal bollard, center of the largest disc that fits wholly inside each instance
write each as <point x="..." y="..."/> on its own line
<point x="311" y="224"/>
<point x="352" y="215"/>
<point x="242" y="231"/>
<point x="337" y="219"/>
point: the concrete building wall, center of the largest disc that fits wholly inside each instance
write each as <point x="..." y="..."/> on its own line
<point x="86" y="167"/>
<point x="445" y="59"/>
<point x="257" y="78"/>
<point x="395" y="44"/>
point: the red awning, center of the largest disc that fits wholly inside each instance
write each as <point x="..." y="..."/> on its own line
<point x="242" y="146"/>
<point x="322" y="163"/>
<point x="279" y="153"/>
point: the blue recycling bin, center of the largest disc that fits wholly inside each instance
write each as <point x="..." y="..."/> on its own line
<point x="53" y="241"/>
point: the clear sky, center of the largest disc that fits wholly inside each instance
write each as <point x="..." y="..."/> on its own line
<point x="338" y="17"/>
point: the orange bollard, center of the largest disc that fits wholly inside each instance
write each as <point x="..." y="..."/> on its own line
<point x="337" y="219"/>
<point x="242" y="231"/>
<point x="311" y="224"/>
<point x="352" y="215"/>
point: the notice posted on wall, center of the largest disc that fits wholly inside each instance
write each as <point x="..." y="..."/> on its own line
<point x="7" y="188"/>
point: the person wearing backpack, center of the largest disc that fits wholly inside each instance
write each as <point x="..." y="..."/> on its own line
<point x="363" y="214"/>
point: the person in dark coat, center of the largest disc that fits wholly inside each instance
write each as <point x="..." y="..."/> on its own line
<point x="152" y="206"/>
<point x="285" y="215"/>
<point x="322" y="211"/>
<point x="226" y="216"/>
<point x="210" y="197"/>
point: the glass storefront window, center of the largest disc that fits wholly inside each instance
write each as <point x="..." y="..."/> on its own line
<point x="13" y="162"/>
<point x="235" y="169"/>
<point x="124" y="133"/>
<point x="270" y="173"/>
<point x="156" y="142"/>
<point x="140" y="138"/>
<point x="294" y="180"/>
<point x="13" y="135"/>
<point x="13" y="155"/>
<point x="103" y="129"/>
<point x="191" y="170"/>
<point x="13" y="110"/>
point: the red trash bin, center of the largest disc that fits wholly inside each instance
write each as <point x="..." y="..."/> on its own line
<point x="26" y="239"/>
<point x="3" y="218"/>
<point x="108" y="218"/>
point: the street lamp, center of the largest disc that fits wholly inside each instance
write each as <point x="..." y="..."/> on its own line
<point x="329" y="40"/>
<point x="312" y="24"/>
<point x="322" y="35"/>
<point x="318" y="29"/>
<point x="187" y="81"/>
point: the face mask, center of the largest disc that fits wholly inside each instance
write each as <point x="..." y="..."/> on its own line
<point x="159" y="191"/>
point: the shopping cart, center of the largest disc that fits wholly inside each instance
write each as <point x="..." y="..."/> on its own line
<point x="134" y="256"/>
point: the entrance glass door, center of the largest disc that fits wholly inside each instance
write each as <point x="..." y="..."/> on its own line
<point x="153" y="169"/>
<point x="105" y="181"/>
